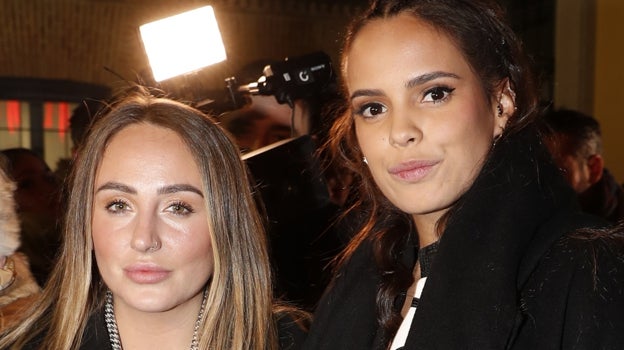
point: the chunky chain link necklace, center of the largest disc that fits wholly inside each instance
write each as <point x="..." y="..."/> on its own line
<point x="7" y="274"/>
<point x="113" y="333"/>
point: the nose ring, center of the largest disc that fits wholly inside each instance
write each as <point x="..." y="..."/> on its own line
<point x="154" y="247"/>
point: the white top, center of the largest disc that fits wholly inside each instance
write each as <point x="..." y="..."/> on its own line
<point x="401" y="335"/>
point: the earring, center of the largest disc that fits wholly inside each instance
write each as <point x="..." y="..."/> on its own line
<point x="365" y="160"/>
<point x="500" y="110"/>
<point x="497" y="137"/>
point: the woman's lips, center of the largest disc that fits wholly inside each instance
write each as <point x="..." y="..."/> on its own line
<point x="413" y="171"/>
<point x="146" y="274"/>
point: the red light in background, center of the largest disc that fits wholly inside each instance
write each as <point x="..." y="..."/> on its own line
<point x="63" y="121"/>
<point x="13" y="115"/>
<point x="48" y="115"/>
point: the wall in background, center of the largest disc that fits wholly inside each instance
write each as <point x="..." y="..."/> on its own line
<point x="69" y="50"/>
<point x="576" y="43"/>
<point x="609" y="81"/>
<point x="589" y="71"/>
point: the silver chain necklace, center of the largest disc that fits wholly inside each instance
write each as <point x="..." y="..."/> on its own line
<point x="113" y="333"/>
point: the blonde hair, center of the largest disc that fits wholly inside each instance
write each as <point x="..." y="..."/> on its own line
<point x="9" y="223"/>
<point x="239" y="313"/>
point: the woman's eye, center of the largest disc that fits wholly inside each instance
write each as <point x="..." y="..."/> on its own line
<point x="180" y="208"/>
<point x="437" y="94"/>
<point x="117" y="206"/>
<point x="372" y="109"/>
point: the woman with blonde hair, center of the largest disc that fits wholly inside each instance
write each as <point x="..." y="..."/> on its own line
<point x="163" y="246"/>
<point x="18" y="288"/>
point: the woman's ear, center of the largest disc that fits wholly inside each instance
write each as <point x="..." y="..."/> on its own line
<point x="504" y="106"/>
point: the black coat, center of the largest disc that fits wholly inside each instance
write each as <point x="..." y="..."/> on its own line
<point x="508" y="273"/>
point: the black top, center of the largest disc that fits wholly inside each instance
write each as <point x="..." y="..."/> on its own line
<point x="507" y="275"/>
<point x="426" y="256"/>
<point x="291" y="334"/>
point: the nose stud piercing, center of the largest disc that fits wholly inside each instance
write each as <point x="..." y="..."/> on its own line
<point x="155" y="246"/>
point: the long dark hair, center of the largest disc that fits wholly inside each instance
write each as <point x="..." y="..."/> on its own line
<point x="479" y="30"/>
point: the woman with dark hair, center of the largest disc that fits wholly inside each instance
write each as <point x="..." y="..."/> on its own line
<point x="163" y="245"/>
<point x="469" y="238"/>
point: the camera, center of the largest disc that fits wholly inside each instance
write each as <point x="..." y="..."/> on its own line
<point x="289" y="80"/>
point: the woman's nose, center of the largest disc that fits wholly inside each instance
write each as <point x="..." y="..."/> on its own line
<point x="404" y="129"/>
<point x="145" y="234"/>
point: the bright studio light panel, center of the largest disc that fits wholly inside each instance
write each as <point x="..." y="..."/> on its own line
<point x="182" y="43"/>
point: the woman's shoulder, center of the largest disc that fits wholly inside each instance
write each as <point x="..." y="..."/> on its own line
<point x="356" y="259"/>
<point x="596" y="249"/>
<point x="577" y="289"/>
<point x="592" y="255"/>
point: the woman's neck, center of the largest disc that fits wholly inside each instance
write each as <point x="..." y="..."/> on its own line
<point x="427" y="228"/>
<point x="172" y="329"/>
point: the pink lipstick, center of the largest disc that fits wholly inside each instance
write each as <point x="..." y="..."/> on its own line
<point x="413" y="171"/>
<point x="146" y="273"/>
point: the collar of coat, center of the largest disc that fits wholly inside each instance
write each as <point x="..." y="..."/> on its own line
<point x="517" y="208"/>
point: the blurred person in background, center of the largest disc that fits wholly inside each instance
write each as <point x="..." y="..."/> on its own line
<point x="18" y="288"/>
<point x="79" y="122"/>
<point x="575" y="141"/>
<point x="264" y="121"/>
<point x="38" y="207"/>
<point x="301" y="215"/>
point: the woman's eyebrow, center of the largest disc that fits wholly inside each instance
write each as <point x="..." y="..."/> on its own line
<point x="424" y="78"/>
<point x="366" y="92"/>
<point x="116" y="186"/>
<point x="180" y="188"/>
<point x="418" y="80"/>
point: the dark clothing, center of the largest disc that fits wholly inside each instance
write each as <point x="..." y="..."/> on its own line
<point x="41" y="242"/>
<point x="299" y="216"/>
<point x="605" y="198"/>
<point x="507" y="274"/>
<point x="96" y="336"/>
